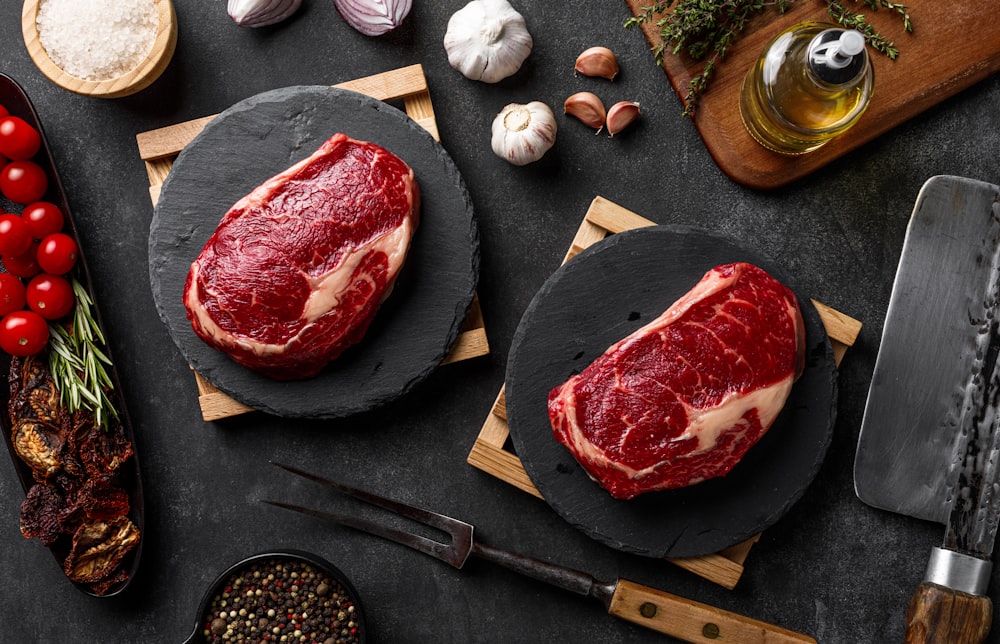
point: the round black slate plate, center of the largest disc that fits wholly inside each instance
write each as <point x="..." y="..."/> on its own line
<point x="415" y="327"/>
<point x="602" y="295"/>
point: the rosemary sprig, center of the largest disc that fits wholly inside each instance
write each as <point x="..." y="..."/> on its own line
<point x="78" y="363"/>
<point x="704" y="29"/>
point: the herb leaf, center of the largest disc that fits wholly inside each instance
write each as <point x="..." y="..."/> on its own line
<point x="78" y="364"/>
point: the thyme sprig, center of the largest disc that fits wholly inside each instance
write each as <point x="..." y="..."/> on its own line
<point x="78" y="363"/>
<point x="704" y="30"/>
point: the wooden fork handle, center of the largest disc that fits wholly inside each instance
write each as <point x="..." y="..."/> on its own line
<point x="692" y="621"/>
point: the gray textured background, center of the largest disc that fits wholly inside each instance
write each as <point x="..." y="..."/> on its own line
<point x="832" y="567"/>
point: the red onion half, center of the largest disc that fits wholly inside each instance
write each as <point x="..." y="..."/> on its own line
<point x="260" y="13"/>
<point x="373" y="17"/>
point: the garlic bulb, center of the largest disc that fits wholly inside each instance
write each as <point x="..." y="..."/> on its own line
<point x="487" y="40"/>
<point x="523" y="133"/>
<point x="259" y="13"/>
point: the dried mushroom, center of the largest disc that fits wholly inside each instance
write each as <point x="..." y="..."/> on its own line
<point x="40" y="446"/>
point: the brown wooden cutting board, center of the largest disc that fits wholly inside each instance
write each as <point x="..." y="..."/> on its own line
<point x="953" y="46"/>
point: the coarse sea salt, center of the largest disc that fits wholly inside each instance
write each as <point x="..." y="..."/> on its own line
<point x="97" y="39"/>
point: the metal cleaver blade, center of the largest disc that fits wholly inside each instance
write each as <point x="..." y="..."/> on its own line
<point x="910" y="438"/>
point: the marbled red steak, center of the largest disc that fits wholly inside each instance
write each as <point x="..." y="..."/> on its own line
<point x="682" y="399"/>
<point x="297" y="269"/>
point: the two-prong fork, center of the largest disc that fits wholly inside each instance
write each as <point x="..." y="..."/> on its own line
<point x="655" y="609"/>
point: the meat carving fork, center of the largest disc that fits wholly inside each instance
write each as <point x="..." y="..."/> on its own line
<point x="655" y="609"/>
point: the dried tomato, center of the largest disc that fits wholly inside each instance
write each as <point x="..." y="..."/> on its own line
<point x="98" y="548"/>
<point x="41" y="513"/>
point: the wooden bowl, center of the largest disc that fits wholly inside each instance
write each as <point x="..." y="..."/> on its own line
<point x="131" y="82"/>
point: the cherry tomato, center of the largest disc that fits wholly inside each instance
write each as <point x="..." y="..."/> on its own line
<point x="23" y="333"/>
<point x="18" y="140"/>
<point x="57" y="253"/>
<point x="3" y="160"/>
<point x="12" y="294"/>
<point x="50" y="296"/>
<point x="24" y="265"/>
<point x="43" y="218"/>
<point x="23" y="181"/>
<point x="15" y="238"/>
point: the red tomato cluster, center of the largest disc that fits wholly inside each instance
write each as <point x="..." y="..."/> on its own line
<point x="35" y="252"/>
<point x="21" y="179"/>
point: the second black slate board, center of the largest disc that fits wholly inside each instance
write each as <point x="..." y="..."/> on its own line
<point x="602" y="295"/>
<point x="265" y="134"/>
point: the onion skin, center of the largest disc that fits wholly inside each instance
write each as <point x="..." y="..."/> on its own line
<point x="260" y="13"/>
<point x="373" y="17"/>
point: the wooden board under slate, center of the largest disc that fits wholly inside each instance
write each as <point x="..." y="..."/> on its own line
<point x="491" y="452"/>
<point x="159" y="148"/>
<point x="414" y="328"/>
<point x="561" y="332"/>
<point x="953" y="46"/>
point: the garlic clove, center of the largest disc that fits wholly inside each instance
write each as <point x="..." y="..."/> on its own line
<point x="522" y="134"/>
<point x="621" y="115"/>
<point x="587" y="107"/>
<point x="487" y="40"/>
<point x="260" y="13"/>
<point x="597" y="61"/>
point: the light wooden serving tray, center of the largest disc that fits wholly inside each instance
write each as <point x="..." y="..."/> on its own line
<point x="491" y="453"/>
<point x="158" y="149"/>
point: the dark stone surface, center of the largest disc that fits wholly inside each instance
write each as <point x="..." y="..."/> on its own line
<point x="262" y="136"/>
<point x="605" y="293"/>
<point x="832" y="567"/>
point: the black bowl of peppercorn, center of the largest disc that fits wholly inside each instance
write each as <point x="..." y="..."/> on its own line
<point x="287" y="593"/>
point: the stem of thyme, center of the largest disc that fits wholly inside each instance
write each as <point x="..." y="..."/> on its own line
<point x="78" y="363"/>
<point x="704" y="29"/>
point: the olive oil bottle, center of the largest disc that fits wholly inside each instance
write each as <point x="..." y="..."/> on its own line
<point x="811" y="83"/>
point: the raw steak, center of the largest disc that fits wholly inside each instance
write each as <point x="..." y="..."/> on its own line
<point x="682" y="399"/>
<point x="296" y="270"/>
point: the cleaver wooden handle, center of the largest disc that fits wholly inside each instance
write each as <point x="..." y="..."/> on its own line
<point x="940" y="615"/>
<point x="694" y="622"/>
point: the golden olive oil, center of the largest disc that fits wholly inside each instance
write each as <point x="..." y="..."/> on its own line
<point x="810" y="84"/>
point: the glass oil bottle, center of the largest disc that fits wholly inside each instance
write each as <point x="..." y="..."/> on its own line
<point x="810" y="84"/>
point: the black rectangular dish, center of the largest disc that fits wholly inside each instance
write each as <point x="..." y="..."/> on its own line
<point x="80" y="504"/>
